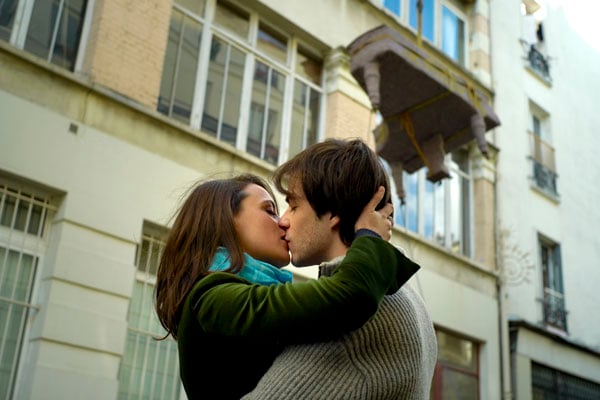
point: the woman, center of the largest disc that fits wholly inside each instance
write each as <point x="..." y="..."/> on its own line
<point x="225" y="239"/>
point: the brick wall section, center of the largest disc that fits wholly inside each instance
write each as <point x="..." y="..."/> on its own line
<point x="126" y="47"/>
<point x="347" y="118"/>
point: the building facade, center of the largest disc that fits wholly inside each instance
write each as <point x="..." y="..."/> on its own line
<point x="110" y="110"/>
<point x="547" y="87"/>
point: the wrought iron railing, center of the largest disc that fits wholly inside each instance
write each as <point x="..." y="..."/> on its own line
<point x="539" y="62"/>
<point x="544" y="167"/>
<point x="555" y="314"/>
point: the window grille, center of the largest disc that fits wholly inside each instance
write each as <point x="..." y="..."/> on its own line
<point x="554" y="310"/>
<point x="549" y="383"/>
<point x="150" y="367"/>
<point x="23" y="231"/>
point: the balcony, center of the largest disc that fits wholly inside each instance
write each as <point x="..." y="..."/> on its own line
<point x="555" y="315"/>
<point x="544" y="167"/>
<point x="539" y="63"/>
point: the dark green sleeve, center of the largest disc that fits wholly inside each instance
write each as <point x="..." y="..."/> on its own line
<point x="224" y="304"/>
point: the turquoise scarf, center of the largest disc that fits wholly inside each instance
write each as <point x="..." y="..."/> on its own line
<point x="254" y="270"/>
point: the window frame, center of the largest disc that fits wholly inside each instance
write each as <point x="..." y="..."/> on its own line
<point x="20" y="28"/>
<point x="404" y="19"/>
<point x="466" y="211"/>
<point x="153" y="235"/>
<point x="554" y="263"/>
<point x="26" y="243"/>
<point x="252" y="55"/>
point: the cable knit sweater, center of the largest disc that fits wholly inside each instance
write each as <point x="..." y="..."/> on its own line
<point x="392" y="356"/>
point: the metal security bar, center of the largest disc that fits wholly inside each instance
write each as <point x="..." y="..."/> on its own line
<point x="22" y="228"/>
<point x="149" y="368"/>
<point x="549" y="383"/>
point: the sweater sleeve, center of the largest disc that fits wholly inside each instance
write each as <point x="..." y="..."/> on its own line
<point x="224" y="304"/>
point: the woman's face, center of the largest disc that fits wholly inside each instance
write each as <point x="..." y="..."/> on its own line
<point x="257" y="227"/>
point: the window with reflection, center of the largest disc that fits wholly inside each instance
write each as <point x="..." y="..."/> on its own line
<point x="440" y="211"/>
<point x="442" y="24"/>
<point x="49" y="29"/>
<point x="250" y="84"/>
<point x="456" y="374"/>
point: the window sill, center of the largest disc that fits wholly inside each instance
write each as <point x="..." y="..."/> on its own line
<point x="553" y="197"/>
<point x="546" y="81"/>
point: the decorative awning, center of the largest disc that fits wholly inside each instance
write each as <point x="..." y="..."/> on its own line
<point x="429" y="106"/>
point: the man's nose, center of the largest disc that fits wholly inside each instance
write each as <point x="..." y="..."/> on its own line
<point x="284" y="221"/>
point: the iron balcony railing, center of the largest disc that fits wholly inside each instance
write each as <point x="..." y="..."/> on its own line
<point x="555" y="314"/>
<point x="544" y="167"/>
<point x="539" y="62"/>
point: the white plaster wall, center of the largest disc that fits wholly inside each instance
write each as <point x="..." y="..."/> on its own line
<point x="572" y="102"/>
<point x="86" y="277"/>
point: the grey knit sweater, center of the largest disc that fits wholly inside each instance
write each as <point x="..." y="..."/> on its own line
<point x="391" y="357"/>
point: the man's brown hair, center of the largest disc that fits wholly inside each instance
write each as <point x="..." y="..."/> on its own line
<point x="337" y="176"/>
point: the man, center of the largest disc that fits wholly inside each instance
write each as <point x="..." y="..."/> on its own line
<point x="394" y="354"/>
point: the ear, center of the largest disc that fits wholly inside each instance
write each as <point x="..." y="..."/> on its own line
<point x="334" y="222"/>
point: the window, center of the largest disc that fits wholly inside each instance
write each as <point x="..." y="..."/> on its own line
<point x="554" y="311"/>
<point x="241" y="80"/>
<point x="542" y="152"/>
<point x="441" y="24"/>
<point x="532" y="38"/>
<point x="49" y="29"/>
<point x="440" y="211"/>
<point x="548" y="383"/>
<point x="149" y="367"/>
<point x="24" y="221"/>
<point x="457" y="371"/>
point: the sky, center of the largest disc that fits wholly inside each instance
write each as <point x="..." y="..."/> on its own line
<point x="582" y="15"/>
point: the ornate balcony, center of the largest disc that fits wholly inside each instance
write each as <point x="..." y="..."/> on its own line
<point x="555" y="314"/>
<point x="539" y="63"/>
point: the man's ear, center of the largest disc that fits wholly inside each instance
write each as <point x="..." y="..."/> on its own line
<point x="334" y="222"/>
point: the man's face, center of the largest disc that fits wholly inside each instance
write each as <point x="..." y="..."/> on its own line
<point x="309" y="237"/>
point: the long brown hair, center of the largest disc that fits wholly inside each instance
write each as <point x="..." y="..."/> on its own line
<point x="203" y="223"/>
<point x="337" y="176"/>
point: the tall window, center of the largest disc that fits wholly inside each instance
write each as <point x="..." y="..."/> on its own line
<point x="555" y="314"/>
<point x="149" y="368"/>
<point x="542" y="152"/>
<point x="23" y="233"/>
<point x="50" y="29"/>
<point x="240" y="79"/>
<point x="441" y="24"/>
<point x="440" y="211"/>
<point x="457" y="371"/>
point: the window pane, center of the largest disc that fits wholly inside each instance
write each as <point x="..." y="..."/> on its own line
<point x="186" y="70"/>
<point x="195" y="6"/>
<point x="17" y="271"/>
<point x="233" y="19"/>
<point x="297" y="133"/>
<point x="393" y="6"/>
<point x="427" y="17"/>
<point x="308" y="68"/>
<point x="272" y="44"/>
<point x="40" y="36"/>
<point x="428" y="210"/>
<point x="223" y="91"/>
<point x="457" y="352"/>
<point x="305" y="118"/>
<point x="453" y="33"/>
<point x="7" y="18"/>
<point x="168" y="73"/>
<point x="264" y="129"/>
<point x="412" y="193"/>
<point x="180" y="67"/>
<point x="458" y="386"/>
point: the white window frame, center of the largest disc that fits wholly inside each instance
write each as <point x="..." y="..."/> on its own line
<point x="34" y="245"/>
<point x="151" y="234"/>
<point x="466" y="223"/>
<point x="21" y="25"/>
<point x="249" y="47"/>
<point x="437" y="23"/>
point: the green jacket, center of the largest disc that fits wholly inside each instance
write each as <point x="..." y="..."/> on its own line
<point x="231" y="330"/>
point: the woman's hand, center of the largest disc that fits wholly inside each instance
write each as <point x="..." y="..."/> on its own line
<point x="379" y="221"/>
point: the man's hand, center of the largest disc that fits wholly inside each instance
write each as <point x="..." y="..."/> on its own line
<point x="379" y="221"/>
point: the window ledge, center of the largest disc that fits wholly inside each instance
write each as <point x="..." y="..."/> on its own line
<point x="546" y="81"/>
<point x="553" y="197"/>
